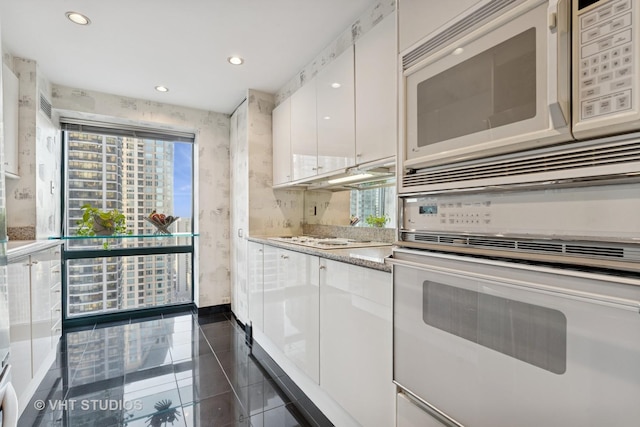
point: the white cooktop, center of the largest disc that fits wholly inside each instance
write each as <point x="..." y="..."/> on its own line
<point x="327" y="242"/>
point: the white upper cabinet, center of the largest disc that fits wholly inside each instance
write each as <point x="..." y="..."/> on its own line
<point x="282" y="143"/>
<point x="304" y="142"/>
<point x="376" y="92"/>
<point x="335" y="114"/>
<point x="10" y="96"/>
<point x="419" y="18"/>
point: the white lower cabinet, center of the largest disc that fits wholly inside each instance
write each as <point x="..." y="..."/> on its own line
<point x="356" y="340"/>
<point x="35" y="318"/>
<point x="291" y="307"/>
<point x="328" y="325"/>
<point x="255" y="284"/>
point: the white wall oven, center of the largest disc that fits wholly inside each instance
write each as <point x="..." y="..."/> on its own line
<point x="517" y="277"/>
<point x="512" y="75"/>
<point x="490" y="343"/>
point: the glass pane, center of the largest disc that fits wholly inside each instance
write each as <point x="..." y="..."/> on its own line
<point x="377" y="202"/>
<point x="528" y="332"/>
<point x="109" y="284"/>
<point x="135" y="176"/>
<point x="494" y="88"/>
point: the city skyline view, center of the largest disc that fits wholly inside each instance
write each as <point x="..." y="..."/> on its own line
<point x="135" y="176"/>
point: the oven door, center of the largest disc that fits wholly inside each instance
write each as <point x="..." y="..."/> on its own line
<point x="502" y="88"/>
<point x="491" y="343"/>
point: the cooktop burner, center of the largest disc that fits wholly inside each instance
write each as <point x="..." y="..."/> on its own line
<point x="327" y="242"/>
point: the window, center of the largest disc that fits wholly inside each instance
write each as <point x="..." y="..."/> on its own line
<point x="109" y="172"/>
<point x="377" y="202"/>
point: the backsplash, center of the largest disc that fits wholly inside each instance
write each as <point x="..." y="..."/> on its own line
<point x="387" y="235"/>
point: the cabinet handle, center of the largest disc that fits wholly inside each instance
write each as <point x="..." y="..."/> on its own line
<point x="57" y="310"/>
<point x="56" y="271"/>
<point x="34" y="262"/>
<point x="57" y="291"/>
<point x="358" y="155"/>
<point x="260" y="250"/>
<point x="323" y="267"/>
<point x="284" y="256"/>
<point x="58" y="329"/>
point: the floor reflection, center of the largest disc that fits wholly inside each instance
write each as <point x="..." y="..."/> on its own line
<point x="182" y="370"/>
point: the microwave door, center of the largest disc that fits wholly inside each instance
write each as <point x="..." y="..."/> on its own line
<point x="500" y="89"/>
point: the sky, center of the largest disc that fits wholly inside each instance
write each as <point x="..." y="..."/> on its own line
<point x="182" y="179"/>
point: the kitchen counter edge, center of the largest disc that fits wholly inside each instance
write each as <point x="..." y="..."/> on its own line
<point x="325" y="253"/>
<point x="18" y="249"/>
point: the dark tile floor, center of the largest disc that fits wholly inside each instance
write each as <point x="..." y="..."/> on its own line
<point x="184" y="370"/>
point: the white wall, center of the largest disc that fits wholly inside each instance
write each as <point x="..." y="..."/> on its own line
<point x="212" y="183"/>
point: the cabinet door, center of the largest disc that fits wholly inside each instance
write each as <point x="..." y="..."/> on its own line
<point x="304" y="142"/>
<point x="55" y="298"/>
<point x="376" y="92"/>
<point x="336" y="115"/>
<point x="291" y="308"/>
<point x="41" y="281"/>
<point x="20" y="324"/>
<point x="355" y="340"/>
<point x="255" y="281"/>
<point x="282" y="143"/>
<point x="273" y="298"/>
<point x="300" y="273"/>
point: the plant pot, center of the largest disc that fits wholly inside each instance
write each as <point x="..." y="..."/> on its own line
<point x="100" y="228"/>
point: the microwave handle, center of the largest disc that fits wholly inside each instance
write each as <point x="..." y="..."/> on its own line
<point x="559" y="64"/>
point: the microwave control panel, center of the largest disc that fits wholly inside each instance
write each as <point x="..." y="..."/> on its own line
<point x="607" y="76"/>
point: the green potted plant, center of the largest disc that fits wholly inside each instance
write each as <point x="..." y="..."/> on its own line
<point x="377" y="221"/>
<point x="96" y="222"/>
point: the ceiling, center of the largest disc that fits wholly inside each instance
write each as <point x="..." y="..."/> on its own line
<point x="132" y="46"/>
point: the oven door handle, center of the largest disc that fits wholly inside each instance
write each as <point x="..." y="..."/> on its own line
<point x="621" y="303"/>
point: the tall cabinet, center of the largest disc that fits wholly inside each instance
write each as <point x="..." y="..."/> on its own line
<point x="256" y="208"/>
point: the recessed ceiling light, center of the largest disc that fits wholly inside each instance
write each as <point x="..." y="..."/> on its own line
<point x="162" y="89"/>
<point x="457" y="51"/>
<point x="327" y="117"/>
<point x="78" y="18"/>
<point x="235" y="60"/>
<point x="335" y="85"/>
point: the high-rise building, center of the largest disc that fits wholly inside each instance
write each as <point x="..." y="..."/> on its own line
<point x="93" y="165"/>
<point x="134" y="176"/>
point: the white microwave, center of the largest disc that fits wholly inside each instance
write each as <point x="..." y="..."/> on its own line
<point x="513" y="75"/>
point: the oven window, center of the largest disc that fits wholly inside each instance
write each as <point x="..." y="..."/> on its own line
<point x="494" y="88"/>
<point x="531" y="333"/>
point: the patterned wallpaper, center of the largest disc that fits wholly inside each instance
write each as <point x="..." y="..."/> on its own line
<point x="33" y="209"/>
<point x="348" y="37"/>
<point x="211" y="186"/>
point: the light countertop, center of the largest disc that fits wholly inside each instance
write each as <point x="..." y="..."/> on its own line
<point x="370" y="257"/>
<point x="17" y="249"/>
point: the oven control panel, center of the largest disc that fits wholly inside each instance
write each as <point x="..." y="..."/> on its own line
<point x="604" y="211"/>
